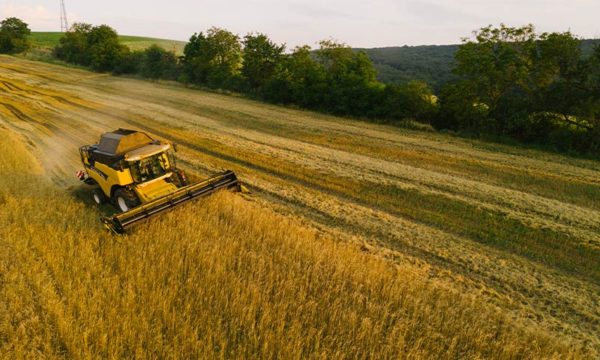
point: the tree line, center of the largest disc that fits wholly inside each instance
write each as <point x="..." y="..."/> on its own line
<point x="509" y="82"/>
<point x="333" y="78"/>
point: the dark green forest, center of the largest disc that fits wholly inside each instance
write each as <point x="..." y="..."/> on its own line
<point x="502" y="83"/>
<point x="398" y="65"/>
<point x="432" y="64"/>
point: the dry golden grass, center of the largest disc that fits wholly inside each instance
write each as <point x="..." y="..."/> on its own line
<point x="235" y="281"/>
<point x="359" y="239"/>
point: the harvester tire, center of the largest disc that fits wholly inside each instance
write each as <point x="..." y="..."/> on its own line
<point x="180" y="179"/>
<point x="99" y="197"/>
<point x="125" y="199"/>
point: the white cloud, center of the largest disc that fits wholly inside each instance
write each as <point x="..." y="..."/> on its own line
<point x="37" y="16"/>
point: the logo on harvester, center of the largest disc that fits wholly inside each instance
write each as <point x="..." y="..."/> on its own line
<point x="80" y="175"/>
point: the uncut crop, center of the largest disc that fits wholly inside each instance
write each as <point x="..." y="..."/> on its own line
<point x="358" y="239"/>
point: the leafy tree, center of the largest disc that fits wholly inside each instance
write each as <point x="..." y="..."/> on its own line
<point x="214" y="59"/>
<point x="414" y="100"/>
<point x="561" y="100"/>
<point x="196" y="59"/>
<point x="298" y="79"/>
<point x="157" y="63"/>
<point x="559" y="73"/>
<point x="105" y="51"/>
<point x="131" y="62"/>
<point x="260" y="59"/>
<point x="13" y="36"/>
<point x="589" y="106"/>
<point x="73" y="46"/>
<point x="278" y="88"/>
<point x="94" y="46"/>
<point x="350" y="78"/>
<point x="460" y="109"/>
<point x="517" y="73"/>
<point x="497" y="65"/>
<point x="535" y="88"/>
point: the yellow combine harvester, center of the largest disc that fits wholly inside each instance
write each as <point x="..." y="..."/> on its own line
<point x="139" y="176"/>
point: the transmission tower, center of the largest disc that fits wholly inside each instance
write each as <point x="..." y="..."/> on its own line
<point x="64" y="23"/>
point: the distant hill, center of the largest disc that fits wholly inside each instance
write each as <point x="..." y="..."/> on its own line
<point x="432" y="64"/>
<point x="50" y="39"/>
<point x="587" y="46"/>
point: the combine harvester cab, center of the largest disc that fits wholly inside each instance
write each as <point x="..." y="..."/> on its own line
<point x="139" y="176"/>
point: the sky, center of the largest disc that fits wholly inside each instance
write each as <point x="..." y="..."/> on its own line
<point x="366" y="23"/>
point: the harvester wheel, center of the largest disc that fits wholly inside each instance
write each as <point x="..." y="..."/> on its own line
<point x="125" y="199"/>
<point x="180" y="178"/>
<point x="98" y="196"/>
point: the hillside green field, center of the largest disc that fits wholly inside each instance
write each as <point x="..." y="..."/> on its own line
<point x="358" y="240"/>
<point x="50" y="39"/>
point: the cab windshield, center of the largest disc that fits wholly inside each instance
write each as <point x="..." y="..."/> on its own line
<point x="150" y="168"/>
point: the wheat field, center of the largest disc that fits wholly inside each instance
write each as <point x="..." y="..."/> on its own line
<point x="358" y="240"/>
